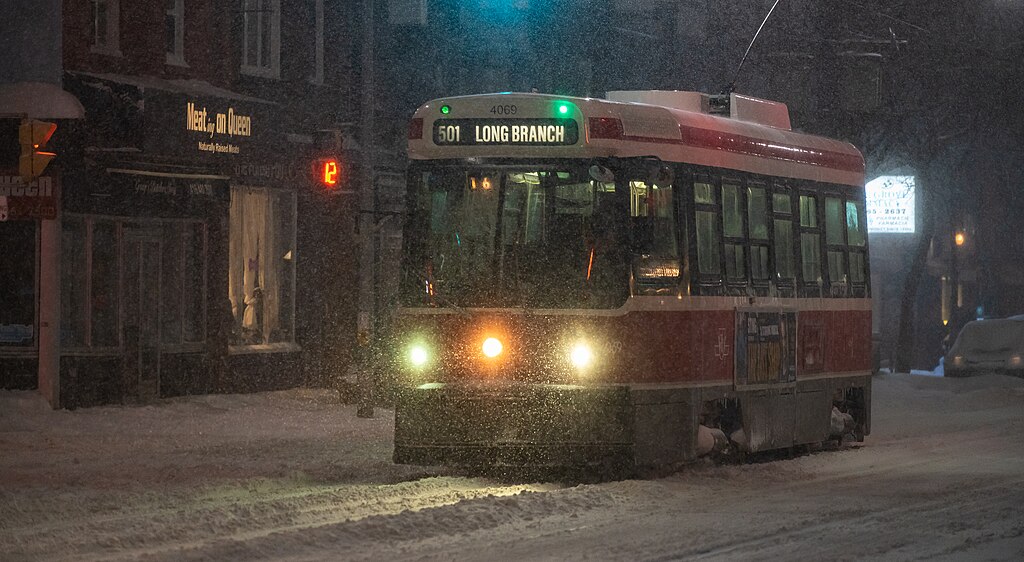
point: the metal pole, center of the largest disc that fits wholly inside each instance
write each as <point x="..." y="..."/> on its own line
<point x="366" y="223"/>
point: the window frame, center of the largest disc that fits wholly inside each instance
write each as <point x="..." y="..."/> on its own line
<point x="177" y="56"/>
<point x="648" y="221"/>
<point x="182" y="343"/>
<point x="319" y="24"/>
<point x="273" y="67"/>
<point x="699" y="282"/>
<point x="742" y="241"/>
<point x="811" y="286"/>
<point x="706" y="279"/>
<point x="112" y="32"/>
<point x="31" y="348"/>
<point x="86" y="287"/>
<point x="860" y="288"/>
<point x="87" y="347"/>
<point x="236" y="345"/>
<point x="841" y="248"/>
<point x="786" y="284"/>
<point x="765" y="242"/>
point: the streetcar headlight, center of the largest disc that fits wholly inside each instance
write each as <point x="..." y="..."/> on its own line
<point x="492" y="347"/>
<point x="581" y="355"/>
<point x="418" y="355"/>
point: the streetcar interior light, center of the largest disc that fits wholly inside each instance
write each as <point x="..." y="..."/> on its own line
<point x="581" y="355"/>
<point x="492" y="347"/>
<point x="445" y="109"/>
<point x="418" y="355"/>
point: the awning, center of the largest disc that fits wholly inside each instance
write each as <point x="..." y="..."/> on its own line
<point x="187" y="120"/>
<point x="39" y="100"/>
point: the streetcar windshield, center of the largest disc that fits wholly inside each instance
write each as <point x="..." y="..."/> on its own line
<point x="515" y="237"/>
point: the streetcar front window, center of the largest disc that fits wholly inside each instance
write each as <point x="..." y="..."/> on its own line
<point x="529" y="237"/>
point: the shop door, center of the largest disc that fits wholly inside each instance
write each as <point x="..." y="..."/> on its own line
<point x="142" y="314"/>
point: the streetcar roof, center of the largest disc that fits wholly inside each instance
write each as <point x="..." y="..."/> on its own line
<point x="677" y="127"/>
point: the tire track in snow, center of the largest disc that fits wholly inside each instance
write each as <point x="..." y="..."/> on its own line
<point x="150" y="527"/>
<point x="881" y="532"/>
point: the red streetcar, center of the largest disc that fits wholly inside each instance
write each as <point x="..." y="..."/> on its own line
<point x="640" y="280"/>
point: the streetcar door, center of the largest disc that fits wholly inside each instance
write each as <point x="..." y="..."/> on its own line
<point x="765" y="374"/>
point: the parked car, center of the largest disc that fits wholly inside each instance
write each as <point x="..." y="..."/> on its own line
<point x="990" y="346"/>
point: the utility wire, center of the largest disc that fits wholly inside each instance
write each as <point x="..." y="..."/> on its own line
<point x="732" y="84"/>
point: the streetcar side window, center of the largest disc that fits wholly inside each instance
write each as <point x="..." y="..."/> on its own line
<point x="782" y="203"/>
<point x="856" y="239"/>
<point x="782" y="223"/>
<point x="704" y="192"/>
<point x="732" y="229"/>
<point x="757" y="213"/>
<point x="653" y="217"/>
<point x="854" y="224"/>
<point x="784" y="249"/>
<point x="810" y="240"/>
<point x="732" y="211"/>
<point x="808" y="211"/>
<point x="707" y="243"/>
<point x="655" y="248"/>
<point x="757" y="219"/>
<point x="706" y="222"/>
<point x="857" y="267"/>
<point x="835" y="239"/>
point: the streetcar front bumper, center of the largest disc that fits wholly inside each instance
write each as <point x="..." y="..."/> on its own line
<point x="512" y="424"/>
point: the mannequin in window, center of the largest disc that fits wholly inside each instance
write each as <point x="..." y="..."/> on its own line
<point x="252" y="319"/>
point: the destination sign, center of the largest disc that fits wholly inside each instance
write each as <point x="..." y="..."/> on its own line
<point x="505" y="132"/>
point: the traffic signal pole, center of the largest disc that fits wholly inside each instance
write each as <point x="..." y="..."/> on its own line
<point x="366" y="224"/>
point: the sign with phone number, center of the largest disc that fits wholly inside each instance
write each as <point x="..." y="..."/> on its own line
<point x="505" y="132"/>
<point x="890" y="204"/>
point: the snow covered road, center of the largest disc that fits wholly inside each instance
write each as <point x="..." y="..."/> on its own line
<point x="294" y="476"/>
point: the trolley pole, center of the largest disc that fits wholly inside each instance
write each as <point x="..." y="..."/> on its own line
<point x="366" y="224"/>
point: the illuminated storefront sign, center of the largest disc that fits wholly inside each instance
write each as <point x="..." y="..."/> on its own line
<point x="505" y="132"/>
<point x="218" y="128"/>
<point x="212" y="128"/>
<point x="890" y="204"/>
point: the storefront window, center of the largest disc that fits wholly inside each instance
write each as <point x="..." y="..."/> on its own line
<point x="193" y="327"/>
<point x="170" y="271"/>
<point x="104" y="283"/>
<point x="18" y="284"/>
<point x="183" y="268"/>
<point x="261" y="272"/>
<point x="90" y="271"/>
<point x="73" y="283"/>
<point x="109" y="278"/>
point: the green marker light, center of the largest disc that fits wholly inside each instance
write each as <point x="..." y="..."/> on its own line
<point x="445" y="110"/>
<point x="563" y="108"/>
